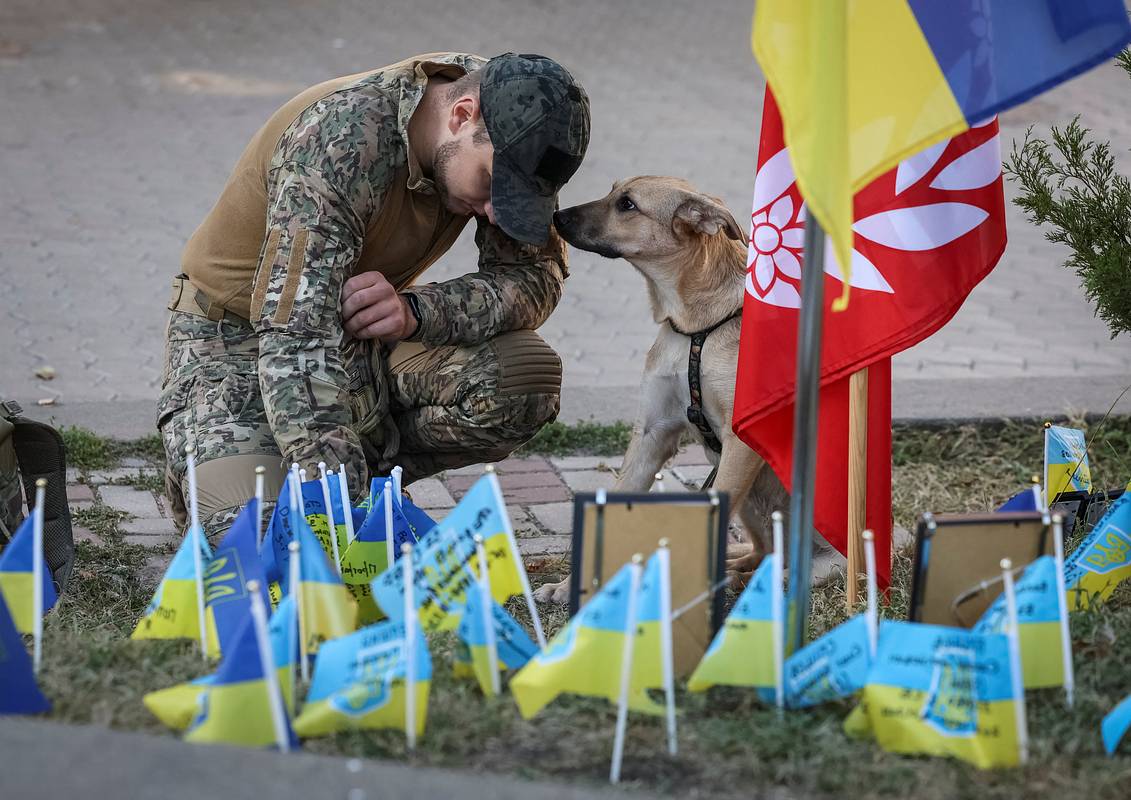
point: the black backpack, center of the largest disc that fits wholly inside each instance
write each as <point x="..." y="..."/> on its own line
<point x="30" y="450"/>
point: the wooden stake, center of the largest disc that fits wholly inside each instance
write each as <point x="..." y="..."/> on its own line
<point x="857" y="479"/>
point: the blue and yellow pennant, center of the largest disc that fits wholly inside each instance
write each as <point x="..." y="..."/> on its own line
<point x="172" y="612"/>
<point x="235" y="562"/>
<point x="17" y="583"/>
<point x="19" y="693"/>
<point x="513" y="646"/>
<point x="360" y="681"/>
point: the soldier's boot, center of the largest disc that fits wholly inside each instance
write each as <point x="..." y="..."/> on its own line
<point x="456" y="406"/>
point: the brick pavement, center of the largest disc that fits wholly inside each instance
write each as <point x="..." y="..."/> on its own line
<point x="538" y="492"/>
<point x="125" y="117"/>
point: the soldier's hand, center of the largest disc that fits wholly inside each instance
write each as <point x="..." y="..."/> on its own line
<point x="372" y="309"/>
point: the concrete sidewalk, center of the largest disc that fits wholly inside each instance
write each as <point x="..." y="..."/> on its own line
<point x="48" y="760"/>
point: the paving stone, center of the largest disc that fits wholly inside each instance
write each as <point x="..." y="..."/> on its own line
<point x="513" y="465"/>
<point x="572" y="463"/>
<point x="588" y="480"/>
<point x="532" y="496"/>
<point x="77" y="492"/>
<point x="692" y="477"/>
<point x="690" y="457"/>
<point x="430" y="493"/>
<point x="73" y="475"/>
<point x="152" y="541"/>
<point x="138" y="502"/>
<point x="154" y="568"/>
<point x="555" y="517"/>
<point x="80" y="505"/>
<point x="104" y="476"/>
<point x="154" y="527"/>
<point x="518" y="480"/>
<point x="523" y="524"/>
<point x="132" y="462"/>
<point x="545" y="545"/>
<point x="82" y="534"/>
<point x="474" y="469"/>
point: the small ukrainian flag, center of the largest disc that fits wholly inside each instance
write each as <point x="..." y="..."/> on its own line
<point x="177" y="705"/>
<point x="513" y="646"/>
<point x="172" y="612"/>
<point x="742" y="652"/>
<point x="16" y="580"/>
<point x="360" y="682"/>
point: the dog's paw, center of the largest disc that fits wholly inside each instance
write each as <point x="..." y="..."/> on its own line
<point x="741" y="568"/>
<point x="553" y="592"/>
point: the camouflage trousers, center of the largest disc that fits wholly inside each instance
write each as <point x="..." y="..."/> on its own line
<point x="435" y="409"/>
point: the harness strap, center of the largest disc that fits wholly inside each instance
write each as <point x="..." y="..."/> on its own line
<point x="695" y="413"/>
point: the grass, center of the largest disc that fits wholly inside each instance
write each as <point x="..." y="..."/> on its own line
<point x="730" y="744"/>
<point x="87" y="450"/>
<point x="582" y="438"/>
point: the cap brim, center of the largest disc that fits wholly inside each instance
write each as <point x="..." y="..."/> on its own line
<point x="520" y="210"/>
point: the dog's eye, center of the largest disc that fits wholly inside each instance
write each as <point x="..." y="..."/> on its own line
<point x="625" y="204"/>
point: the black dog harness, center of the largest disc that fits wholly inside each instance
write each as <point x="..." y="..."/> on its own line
<point x="695" y="413"/>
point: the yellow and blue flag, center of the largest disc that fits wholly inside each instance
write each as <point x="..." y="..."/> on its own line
<point x="419" y="521"/>
<point x="16" y="582"/>
<point x="585" y="656"/>
<point x="172" y="611"/>
<point x="234" y="707"/>
<point x="368" y="555"/>
<point x="177" y="705"/>
<point x="862" y="86"/>
<point x="328" y="610"/>
<point x="1066" y="462"/>
<point x="1115" y="725"/>
<point x="1103" y="560"/>
<point x="443" y="559"/>
<point x="19" y="693"/>
<point x="1038" y="619"/>
<point x="235" y="562"/>
<point x="513" y="646"/>
<point x="942" y="691"/>
<point x="742" y="652"/>
<point x="281" y="528"/>
<point x="829" y="668"/>
<point x="360" y="681"/>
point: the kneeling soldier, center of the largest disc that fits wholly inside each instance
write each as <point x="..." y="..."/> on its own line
<point x="297" y="333"/>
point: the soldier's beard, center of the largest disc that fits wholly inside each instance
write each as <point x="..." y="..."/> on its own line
<point x="440" y="164"/>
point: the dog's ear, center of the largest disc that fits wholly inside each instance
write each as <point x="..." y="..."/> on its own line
<point x="702" y="214"/>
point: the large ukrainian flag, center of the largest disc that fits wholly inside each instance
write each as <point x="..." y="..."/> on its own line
<point x="942" y="691"/>
<point x="172" y="611"/>
<point x="863" y="85"/>
<point x="17" y="583"/>
<point x="177" y="705"/>
<point x="742" y="652"/>
<point x="360" y="682"/>
<point x="585" y="657"/>
<point x="1038" y="620"/>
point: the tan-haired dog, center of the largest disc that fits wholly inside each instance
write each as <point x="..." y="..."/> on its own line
<point x="692" y="254"/>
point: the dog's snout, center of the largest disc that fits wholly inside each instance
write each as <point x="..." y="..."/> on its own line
<point x="562" y="218"/>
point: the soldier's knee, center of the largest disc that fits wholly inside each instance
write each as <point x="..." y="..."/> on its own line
<point x="224" y="485"/>
<point x="527" y="365"/>
<point x="524" y="395"/>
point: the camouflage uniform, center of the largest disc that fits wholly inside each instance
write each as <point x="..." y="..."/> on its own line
<point x="285" y="384"/>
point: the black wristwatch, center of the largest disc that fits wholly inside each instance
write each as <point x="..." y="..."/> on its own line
<point x="414" y="307"/>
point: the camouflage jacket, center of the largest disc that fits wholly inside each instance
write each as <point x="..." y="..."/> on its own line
<point x="330" y="174"/>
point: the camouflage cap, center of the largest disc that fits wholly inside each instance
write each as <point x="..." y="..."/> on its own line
<point x="537" y="116"/>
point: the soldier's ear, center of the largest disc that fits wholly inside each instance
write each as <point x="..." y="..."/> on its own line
<point x="463" y="112"/>
<point x="700" y="213"/>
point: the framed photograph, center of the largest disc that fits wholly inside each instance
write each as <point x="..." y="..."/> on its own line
<point x="606" y="536"/>
<point x="956" y="571"/>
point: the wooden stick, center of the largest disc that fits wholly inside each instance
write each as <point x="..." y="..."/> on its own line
<point x="857" y="479"/>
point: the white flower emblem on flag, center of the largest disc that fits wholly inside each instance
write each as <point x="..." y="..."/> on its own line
<point x="777" y="230"/>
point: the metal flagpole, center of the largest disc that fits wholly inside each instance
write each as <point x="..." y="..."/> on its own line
<point x="805" y="435"/>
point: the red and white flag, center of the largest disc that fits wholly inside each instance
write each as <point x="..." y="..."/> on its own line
<point x="925" y="234"/>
